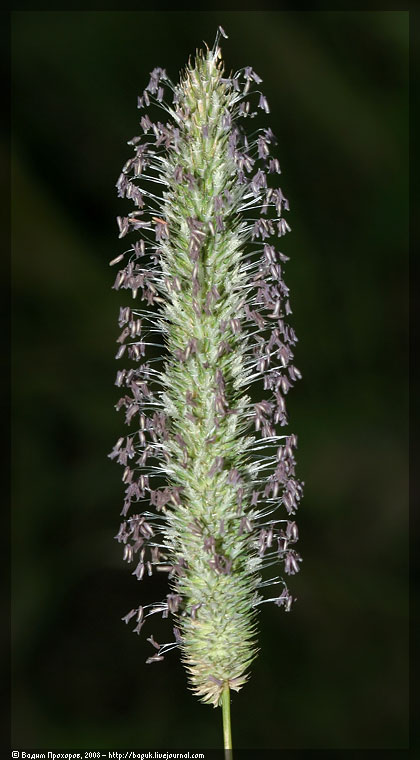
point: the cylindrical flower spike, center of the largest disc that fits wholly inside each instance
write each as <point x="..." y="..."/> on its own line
<point x="205" y="215"/>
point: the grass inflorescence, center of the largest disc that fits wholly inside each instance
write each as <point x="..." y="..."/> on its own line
<point x="216" y="307"/>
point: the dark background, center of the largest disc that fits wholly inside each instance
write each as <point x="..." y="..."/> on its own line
<point x="333" y="673"/>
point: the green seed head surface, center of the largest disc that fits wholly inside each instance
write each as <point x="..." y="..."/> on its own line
<point x="220" y="315"/>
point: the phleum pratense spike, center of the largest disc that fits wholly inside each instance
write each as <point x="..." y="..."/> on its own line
<point x="210" y="485"/>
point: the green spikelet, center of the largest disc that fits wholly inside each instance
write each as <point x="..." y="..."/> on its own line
<point x="221" y="321"/>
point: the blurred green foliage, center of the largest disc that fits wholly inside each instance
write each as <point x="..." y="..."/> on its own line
<point x="333" y="674"/>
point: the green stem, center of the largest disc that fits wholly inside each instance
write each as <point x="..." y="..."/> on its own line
<point x="227" y="733"/>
